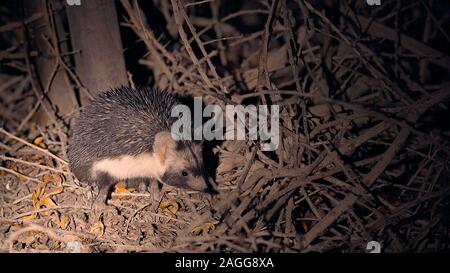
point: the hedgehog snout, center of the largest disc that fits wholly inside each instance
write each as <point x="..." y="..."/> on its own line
<point x="198" y="183"/>
<point x="184" y="178"/>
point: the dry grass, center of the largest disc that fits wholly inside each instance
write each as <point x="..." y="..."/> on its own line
<point x="362" y="157"/>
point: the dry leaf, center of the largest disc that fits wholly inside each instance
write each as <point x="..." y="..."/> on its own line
<point x="169" y="208"/>
<point x="56" y="179"/>
<point x="98" y="229"/>
<point x="120" y="185"/>
<point x="121" y="188"/>
<point x="47" y="178"/>
<point x="206" y="228"/>
<point x="38" y="192"/>
<point x="64" y="221"/>
<point x="39" y="141"/>
<point x="29" y="217"/>
<point x="54" y="191"/>
<point x="41" y="199"/>
<point x="46" y="203"/>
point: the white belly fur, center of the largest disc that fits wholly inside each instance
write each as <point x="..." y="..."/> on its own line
<point x="123" y="167"/>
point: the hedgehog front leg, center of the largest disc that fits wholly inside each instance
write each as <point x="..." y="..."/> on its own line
<point x="100" y="204"/>
<point x="104" y="194"/>
<point x="146" y="184"/>
<point x="138" y="183"/>
<point x="143" y="184"/>
<point x="156" y="191"/>
<point x="100" y="200"/>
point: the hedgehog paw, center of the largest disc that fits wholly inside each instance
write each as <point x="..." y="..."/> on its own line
<point x="142" y="188"/>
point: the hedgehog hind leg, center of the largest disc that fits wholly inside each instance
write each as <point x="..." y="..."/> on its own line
<point x="105" y="187"/>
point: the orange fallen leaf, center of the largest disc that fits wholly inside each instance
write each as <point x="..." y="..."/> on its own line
<point x="120" y="185"/>
<point x="64" y="221"/>
<point x="47" y="178"/>
<point x="98" y="229"/>
<point x="39" y="141"/>
<point x="206" y="228"/>
<point x="29" y="217"/>
<point x="46" y="203"/>
<point x="121" y="188"/>
<point x="53" y="178"/>
<point x="58" y="180"/>
<point x="169" y="208"/>
<point x="41" y="200"/>
<point x="54" y="191"/>
<point x="38" y="192"/>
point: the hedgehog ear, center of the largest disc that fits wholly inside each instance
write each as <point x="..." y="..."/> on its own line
<point x="163" y="142"/>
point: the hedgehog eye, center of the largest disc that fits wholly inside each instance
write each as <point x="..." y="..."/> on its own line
<point x="184" y="173"/>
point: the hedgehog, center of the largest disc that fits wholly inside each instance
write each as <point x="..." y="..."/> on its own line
<point x="125" y="135"/>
